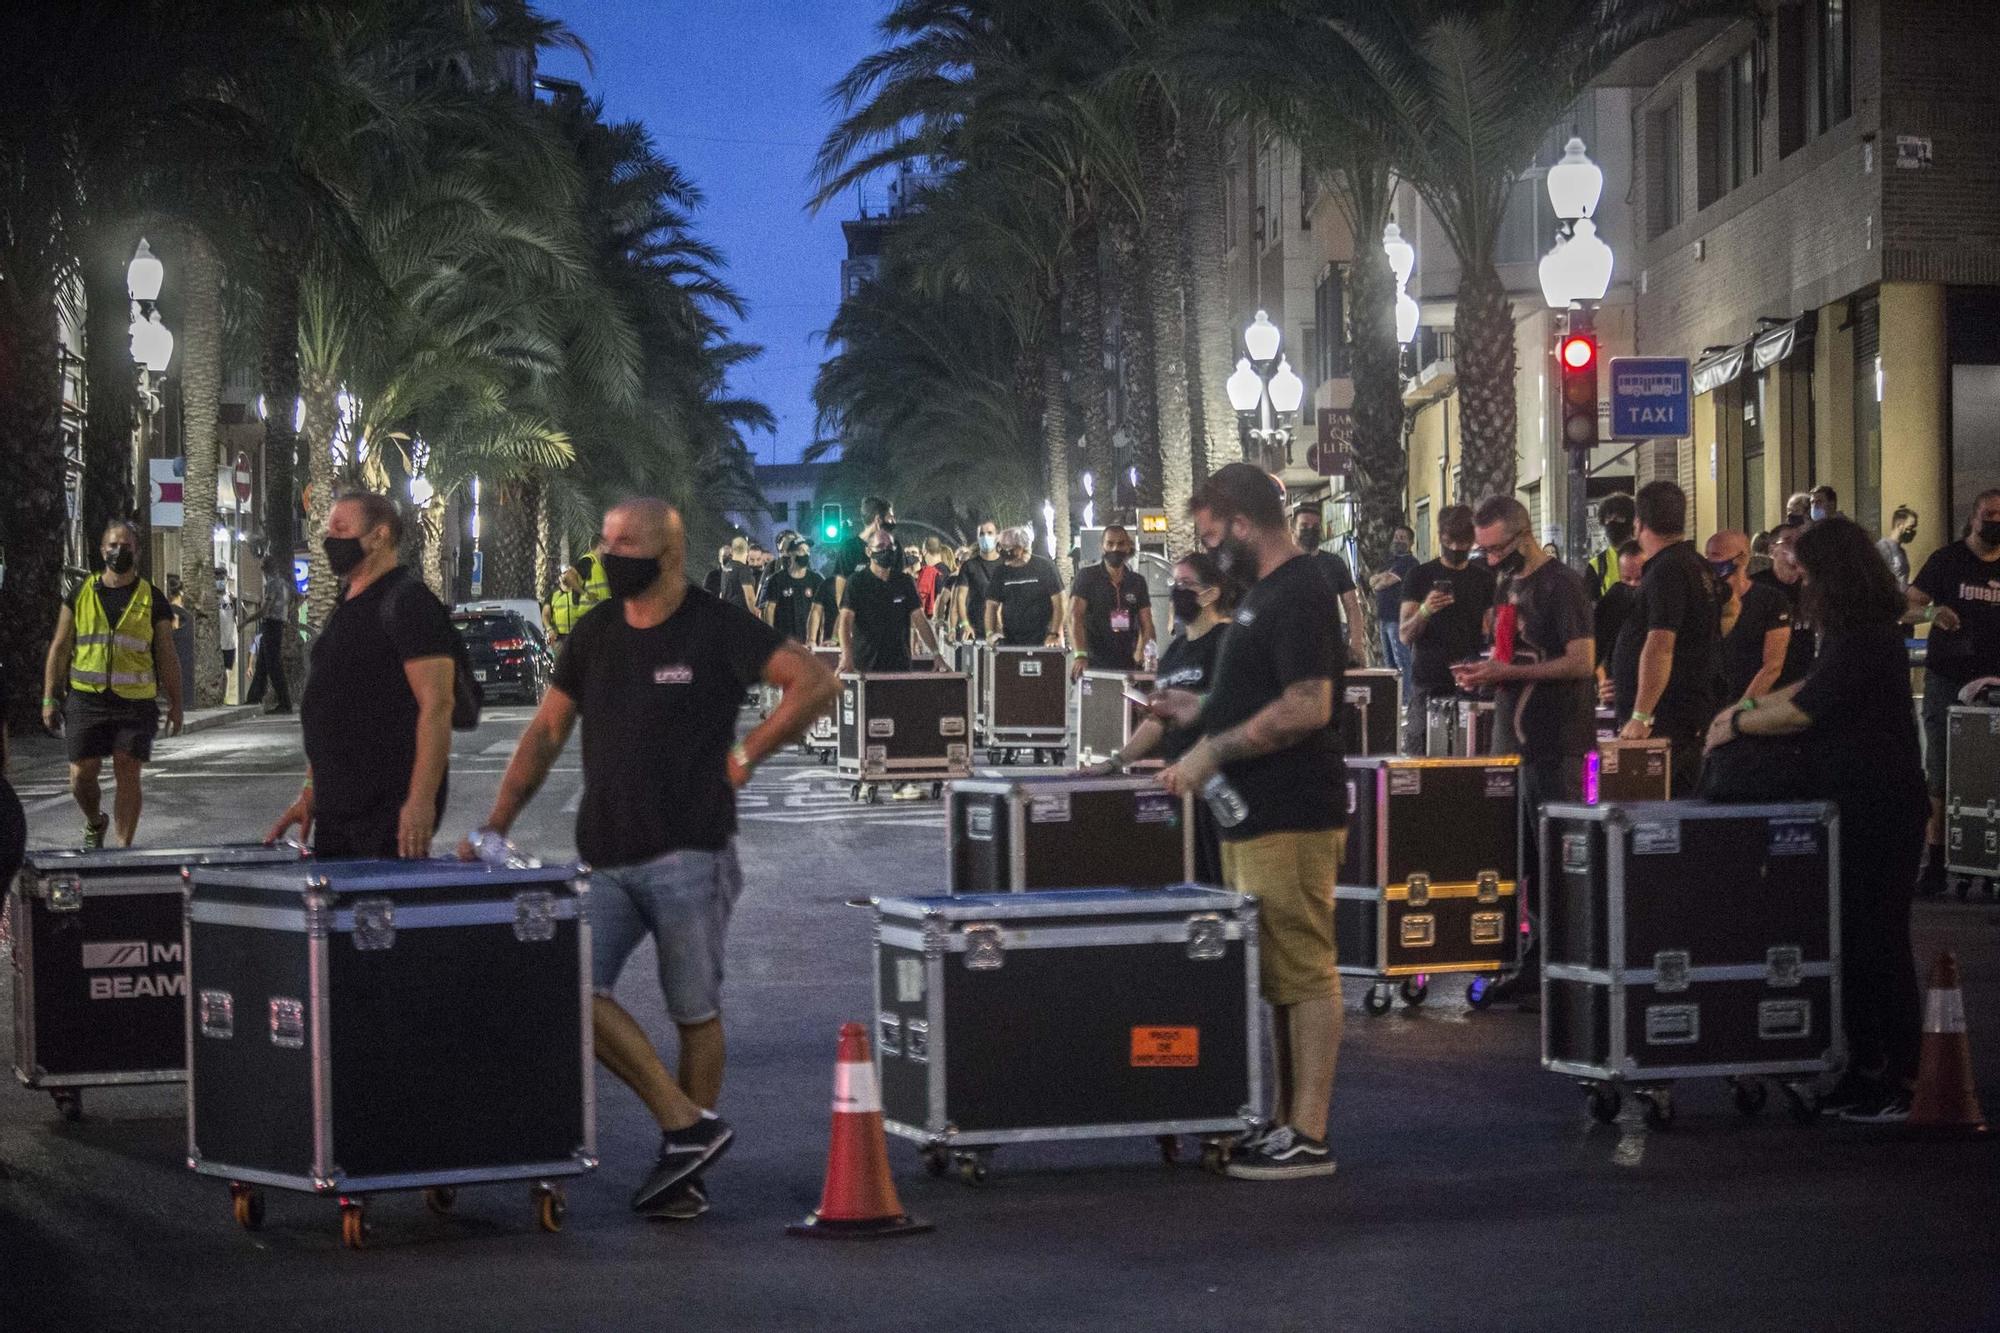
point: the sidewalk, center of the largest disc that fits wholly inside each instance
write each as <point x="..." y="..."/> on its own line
<point x="39" y="750"/>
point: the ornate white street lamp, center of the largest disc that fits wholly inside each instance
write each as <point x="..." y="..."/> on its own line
<point x="1264" y="385"/>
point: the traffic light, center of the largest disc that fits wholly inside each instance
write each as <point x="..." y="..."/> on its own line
<point x="830" y="522"/>
<point x="1576" y="360"/>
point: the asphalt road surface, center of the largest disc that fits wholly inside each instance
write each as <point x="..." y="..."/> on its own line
<point x="1473" y="1190"/>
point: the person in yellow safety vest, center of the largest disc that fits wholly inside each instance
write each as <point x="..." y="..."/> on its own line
<point x="1615" y="514"/>
<point x="580" y="587"/>
<point x="115" y="640"/>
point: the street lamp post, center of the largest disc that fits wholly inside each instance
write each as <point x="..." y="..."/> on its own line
<point x="1265" y="386"/>
<point x="152" y="348"/>
<point x="1575" y="276"/>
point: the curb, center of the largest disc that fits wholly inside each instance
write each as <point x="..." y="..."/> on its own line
<point x="210" y="718"/>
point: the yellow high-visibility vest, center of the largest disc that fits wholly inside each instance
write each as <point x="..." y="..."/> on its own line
<point x="596" y="588"/>
<point x="563" y="612"/>
<point x="114" y="657"/>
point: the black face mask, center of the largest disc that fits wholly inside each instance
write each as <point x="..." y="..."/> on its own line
<point x="801" y="561"/>
<point x="886" y="525"/>
<point x="1187" y="603"/>
<point x="629" y="575"/>
<point x="1309" y="538"/>
<point x="1117" y="559"/>
<point x="883" y="558"/>
<point x="343" y="555"/>
<point x="119" y="560"/>
<point x="1453" y="559"/>
<point x="1989" y="533"/>
<point x="1511" y="565"/>
<point x="1617" y="534"/>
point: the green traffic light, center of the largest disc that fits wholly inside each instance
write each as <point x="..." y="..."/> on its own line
<point x="832" y="531"/>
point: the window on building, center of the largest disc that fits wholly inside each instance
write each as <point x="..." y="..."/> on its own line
<point x="1308" y="194"/>
<point x="1751" y="449"/>
<point x="1232" y="183"/>
<point x="1269" y="218"/>
<point x="1832" y="54"/>
<point x="1528" y="226"/>
<point x="1667" y="183"/>
<point x="1740" y="140"/>
<point x="1330" y="316"/>
<point x="1422" y="524"/>
<point x="1865" y="506"/>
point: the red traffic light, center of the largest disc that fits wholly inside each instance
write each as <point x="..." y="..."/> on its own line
<point x="1577" y="352"/>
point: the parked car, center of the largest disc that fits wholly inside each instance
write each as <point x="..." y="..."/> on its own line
<point x="510" y="659"/>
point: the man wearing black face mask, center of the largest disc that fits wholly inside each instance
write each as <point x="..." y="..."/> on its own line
<point x="656" y="676"/>
<point x="1615" y="514"/>
<point x="1110" y="610"/>
<point x="851" y="556"/>
<point x="791" y="595"/>
<point x="121" y="629"/>
<point x="1306" y="530"/>
<point x="1958" y="592"/>
<point x="1443" y="617"/>
<point x="879" y="613"/>
<point x="1664" y="668"/>
<point x="376" y="715"/>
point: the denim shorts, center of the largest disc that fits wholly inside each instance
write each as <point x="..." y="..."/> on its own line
<point x="683" y="900"/>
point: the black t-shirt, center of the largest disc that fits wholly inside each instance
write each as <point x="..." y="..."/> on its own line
<point x="1548" y="719"/>
<point x="659" y="715"/>
<point x="1458" y="631"/>
<point x="711" y="582"/>
<point x="729" y="584"/>
<point x="881" y="610"/>
<point x="850" y="557"/>
<point x="1111" y="616"/>
<point x="1677" y="592"/>
<point x="359" y="715"/>
<point x="1764" y="609"/>
<point x="1023" y="595"/>
<point x="1863" y="737"/>
<point x="977" y="574"/>
<point x="1609" y="616"/>
<point x="1283" y="633"/>
<point x="1799" y="656"/>
<point x="791" y="597"/>
<point x="1338" y="577"/>
<point x="1956" y="577"/>
<point x="1187" y="664"/>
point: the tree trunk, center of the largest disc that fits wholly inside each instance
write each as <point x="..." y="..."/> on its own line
<point x="1212" y="332"/>
<point x="110" y="382"/>
<point x="322" y="417"/>
<point x="430" y="523"/>
<point x="1160" y="167"/>
<point x="32" y="506"/>
<point x="548" y="561"/>
<point x="200" y="349"/>
<point x="1084" y="337"/>
<point x="1485" y="360"/>
<point x="1381" y="467"/>
<point x="1055" y="445"/>
<point x="509" y="543"/>
<point x="281" y="440"/>
<point x="1128" y="295"/>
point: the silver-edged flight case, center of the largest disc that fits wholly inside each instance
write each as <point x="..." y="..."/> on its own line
<point x="1054" y="831"/>
<point x="903" y="727"/>
<point x="1972" y="795"/>
<point x="1103" y="717"/>
<point x="1026" y="709"/>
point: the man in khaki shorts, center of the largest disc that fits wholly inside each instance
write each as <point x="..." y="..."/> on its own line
<point x="1267" y="730"/>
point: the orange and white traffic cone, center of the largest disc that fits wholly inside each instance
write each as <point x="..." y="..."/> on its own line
<point x="1945" y="1102"/>
<point x="859" y="1199"/>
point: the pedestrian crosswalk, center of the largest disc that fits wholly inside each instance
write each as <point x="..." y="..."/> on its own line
<point x="782" y="794"/>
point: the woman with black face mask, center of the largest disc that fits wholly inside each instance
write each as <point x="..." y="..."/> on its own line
<point x="1203" y="598"/>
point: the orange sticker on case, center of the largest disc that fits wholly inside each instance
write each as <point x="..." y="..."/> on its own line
<point x="1166" y="1048"/>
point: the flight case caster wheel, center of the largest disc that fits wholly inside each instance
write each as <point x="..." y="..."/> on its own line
<point x="937" y="1161"/>
<point x="875" y="794"/>
<point x="248" y="1203"/>
<point x="69" y="1103"/>
<point x="937" y="791"/>
<point x="441" y="1199"/>
<point x="1416" y="990"/>
<point x="353" y="1222"/>
<point x="550" y="1208"/>
<point x="1215" y="1155"/>
<point x="1604" y="1102"/>
<point x="1479" y="992"/>
<point x="1378" y="1000"/>
<point x="1800" y="1103"/>
<point x="971" y="1167"/>
<point x="1170" y="1148"/>
<point x="1749" y="1094"/>
<point x="1659" y="1104"/>
<point x="993" y="757"/>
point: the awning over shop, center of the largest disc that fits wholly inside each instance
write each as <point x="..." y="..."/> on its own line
<point x="1714" y="369"/>
<point x="1765" y="349"/>
<point x="1779" y="341"/>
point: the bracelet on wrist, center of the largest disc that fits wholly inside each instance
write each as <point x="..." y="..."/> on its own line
<point x="1746" y="705"/>
<point x="742" y="756"/>
<point x="1643" y="718"/>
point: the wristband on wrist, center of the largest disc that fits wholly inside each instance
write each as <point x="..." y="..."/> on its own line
<point x="1638" y="716"/>
<point x="48" y="701"/>
<point x="742" y="756"/>
<point x="1746" y="705"/>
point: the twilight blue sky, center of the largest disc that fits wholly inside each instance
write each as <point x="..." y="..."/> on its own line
<point x="734" y="92"/>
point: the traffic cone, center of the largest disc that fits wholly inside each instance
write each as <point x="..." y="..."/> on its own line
<point x="1945" y="1102"/>
<point x="859" y="1199"/>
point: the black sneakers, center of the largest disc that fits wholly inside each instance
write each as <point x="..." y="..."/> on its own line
<point x="93" y="834"/>
<point x="683" y="1153"/>
<point x="683" y="1202"/>
<point x="1888" y="1106"/>
<point x="1282" y="1154"/>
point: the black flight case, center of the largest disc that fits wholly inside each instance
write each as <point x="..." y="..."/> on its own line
<point x="1102" y="718"/>
<point x="1627" y="771"/>
<point x="99" y="982"/>
<point x="1429" y="884"/>
<point x="904" y="727"/>
<point x="1081" y="1014"/>
<point x="1371" y="713"/>
<point x="969" y="659"/>
<point x="1686" y="940"/>
<point x="1972" y="795"/>
<point x="1007" y="835"/>
<point x="1457" y="727"/>
<point x="822" y="739"/>
<point x="1027" y="703"/>
<point x="361" y="1026"/>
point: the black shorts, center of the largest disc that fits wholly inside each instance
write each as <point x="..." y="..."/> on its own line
<point x="96" y="726"/>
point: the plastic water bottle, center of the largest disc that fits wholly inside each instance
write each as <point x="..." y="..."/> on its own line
<point x="496" y="851"/>
<point x="1224" y="801"/>
<point x="1152" y="657"/>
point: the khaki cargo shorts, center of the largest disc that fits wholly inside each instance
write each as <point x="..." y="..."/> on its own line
<point x="1291" y="875"/>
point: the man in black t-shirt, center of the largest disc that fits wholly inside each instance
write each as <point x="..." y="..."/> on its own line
<point x="790" y="599"/>
<point x="1665" y="665"/>
<point x="975" y="575"/>
<point x="1110" y="610"/>
<point x="1444" y="608"/>
<point x="1024" y="600"/>
<point x="1756" y="622"/>
<point x="657" y="675"/>
<point x="1783" y="577"/>
<point x="1958" y="592"/>
<point x="1306" y="526"/>
<point x="880" y="611"/>
<point x="114" y="649"/>
<point x="376" y="714"/>
<point x="850" y="557"/>
<point x="1614" y="607"/>
<point x="1268" y="734"/>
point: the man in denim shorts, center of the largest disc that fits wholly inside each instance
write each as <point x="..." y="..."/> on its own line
<point x="657" y="674"/>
